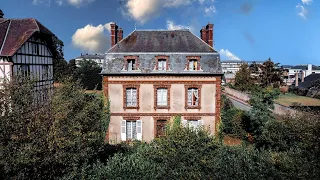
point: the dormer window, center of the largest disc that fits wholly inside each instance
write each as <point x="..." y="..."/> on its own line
<point x="162" y="63"/>
<point x="193" y="63"/>
<point x="131" y="63"/>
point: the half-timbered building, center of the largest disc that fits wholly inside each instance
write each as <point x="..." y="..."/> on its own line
<point x="153" y="75"/>
<point x="25" y="49"/>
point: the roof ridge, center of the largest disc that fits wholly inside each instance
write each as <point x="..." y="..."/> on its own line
<point x="120" y="41"/>
<point x="203" y="41"/>
<point x="5" y="37"/>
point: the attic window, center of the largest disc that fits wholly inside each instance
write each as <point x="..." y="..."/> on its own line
<point x="162" y="63"/>
<point x="193" y="63"/>
<point x="131" y="63"/>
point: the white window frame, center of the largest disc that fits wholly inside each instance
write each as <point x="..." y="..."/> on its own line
<point x="194" y="93"/>
<point x="162" y="97"/>
<point x="125" y="123"/>
<point x="130" y="94"/>
<point x="162" y="64"/>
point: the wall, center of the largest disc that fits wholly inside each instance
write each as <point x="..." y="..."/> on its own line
<point x="237" y="94"/>
<point x="209" y="111"/>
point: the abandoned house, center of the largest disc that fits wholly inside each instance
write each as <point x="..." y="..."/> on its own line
<point x="153" y="75"/>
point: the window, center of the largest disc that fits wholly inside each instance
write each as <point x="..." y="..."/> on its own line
<point x="131" y="97"/>
<point x="131" y="65"/>
<point x="193" y="97"/>
<point x="193" y="64"/>
<point x="161" y="128"/>
<point x="162" y="65"/>
<point x="162" y="97"/>
<point x="45" y="71"/>
<point x="131" y="130"/>
<point x="195" y="124"/>
<point x="35" y="49"/>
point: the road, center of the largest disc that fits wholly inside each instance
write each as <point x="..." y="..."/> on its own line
<point x="239" y="104"/>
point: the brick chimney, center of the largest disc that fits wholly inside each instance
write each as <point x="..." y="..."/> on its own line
<point x="120" y="35"/>
<point x="207" y="34"/>
<point x="116" y="34"/>
<point x="210" y="34"/>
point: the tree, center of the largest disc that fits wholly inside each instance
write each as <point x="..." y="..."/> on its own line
<point x="53" y="139"/>
<point x="89" y="75"/>
<point x="243" y="80"/>
<point x="271" y="74"/>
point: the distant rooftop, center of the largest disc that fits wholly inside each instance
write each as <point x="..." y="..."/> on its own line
<point x="91" y="56"/>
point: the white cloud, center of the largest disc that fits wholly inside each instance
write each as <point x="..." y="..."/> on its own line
<point x="93" y="39"/>
<point x="210" y="10"/>
<point x="172" y="26"/>
<point x="108" y="27"/>
<point x="227" y="54"/>
<point x="76" y="3"/>
<point x="303" y="11"/>
<point x="144" y="10"/>
<point x="306" y="1"/>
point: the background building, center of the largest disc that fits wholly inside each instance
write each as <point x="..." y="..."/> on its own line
<point x="98" y="58"/>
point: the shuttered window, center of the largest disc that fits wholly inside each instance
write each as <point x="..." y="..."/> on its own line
<point x="131" y="130"/>
<point x="131" y="94"/>
<point x="162" y="97"/>
<point x="193" y="97"/>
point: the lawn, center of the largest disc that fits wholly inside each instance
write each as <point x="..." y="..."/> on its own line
<point x="290" y="99"/>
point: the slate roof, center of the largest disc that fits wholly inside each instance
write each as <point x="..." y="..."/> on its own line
<point x="15" y="32"/>
<point x="308" y="81"/>
<point x="161" y="41"/>
<point x="91" y="56"/>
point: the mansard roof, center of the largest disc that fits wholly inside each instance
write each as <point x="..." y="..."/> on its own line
<point x="15" y="32"/>
<point x="161" y="41"/>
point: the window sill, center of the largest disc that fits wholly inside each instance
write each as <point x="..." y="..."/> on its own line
<point x="131" y="107"/>
<point x="162" y="107"/>
<point x="193" y="107"/>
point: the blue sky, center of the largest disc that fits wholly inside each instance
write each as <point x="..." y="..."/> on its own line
<point x="288" y="31"/>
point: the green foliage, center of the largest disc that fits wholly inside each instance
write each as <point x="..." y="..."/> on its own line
<point x="262" y="105"/>
<point x="53" y="139"/>
<point x="89" y="75"/>
<point x="243" y="79"/>
<point x="271" y="74"/>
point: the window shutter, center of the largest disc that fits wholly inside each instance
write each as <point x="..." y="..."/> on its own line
<point x="164" y="65"/>
<point x="184" y="123"/>
<point x="129" y="65"/>
<point x="139" y="130"/>
<point x="123" y="130"/>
